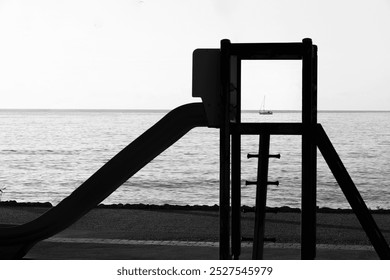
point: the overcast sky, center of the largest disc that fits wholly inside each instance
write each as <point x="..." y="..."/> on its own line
<point x="132" y="54"/>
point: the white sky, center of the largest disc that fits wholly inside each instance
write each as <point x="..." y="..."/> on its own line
<point x="132" y="54"/>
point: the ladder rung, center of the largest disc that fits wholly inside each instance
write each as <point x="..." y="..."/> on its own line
<point x="247" y="183"/>
<point x="257" y="155"/>
<point x="274" y="156"/>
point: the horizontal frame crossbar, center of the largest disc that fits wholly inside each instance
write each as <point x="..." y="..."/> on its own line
<point x="285" y="51"/>
<point x="268" y="128"/>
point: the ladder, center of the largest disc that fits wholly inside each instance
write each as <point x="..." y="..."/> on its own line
<point x="262" y="184"/>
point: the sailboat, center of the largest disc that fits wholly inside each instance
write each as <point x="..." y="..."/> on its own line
<point x="263" y="111"/>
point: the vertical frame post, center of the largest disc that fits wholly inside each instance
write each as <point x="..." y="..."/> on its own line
<point x="224" y="191"/>
<point x="309" y="150"/>
<point x="235" y="103"/>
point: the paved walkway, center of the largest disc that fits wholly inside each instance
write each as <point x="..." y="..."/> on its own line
<point x="202" y="243"/>
<point x="100" y="248"/>
<point x="158" y="234"/>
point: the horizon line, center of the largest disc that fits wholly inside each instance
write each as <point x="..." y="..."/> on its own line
<point x="167" y="110"/>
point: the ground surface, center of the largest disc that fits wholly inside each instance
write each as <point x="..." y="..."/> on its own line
<point x="113" y="233"/>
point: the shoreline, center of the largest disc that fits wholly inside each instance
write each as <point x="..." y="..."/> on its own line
<point x="141" y="206"/>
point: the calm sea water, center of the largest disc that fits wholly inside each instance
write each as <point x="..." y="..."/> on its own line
<point x="45" y="155"/>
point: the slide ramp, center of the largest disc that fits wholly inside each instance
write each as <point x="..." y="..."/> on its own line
<point x="15" y="241"/>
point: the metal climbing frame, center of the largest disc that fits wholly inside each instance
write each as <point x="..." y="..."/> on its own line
<point x="231" y="129"/>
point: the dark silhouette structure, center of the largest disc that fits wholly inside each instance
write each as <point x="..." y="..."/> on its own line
<point x="217" y="80"/>
<point x="15" y="241"/>
<point x="221" y="94"/>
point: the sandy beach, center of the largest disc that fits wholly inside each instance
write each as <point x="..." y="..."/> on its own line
<point x="190" y="224"/>
<point x="202" y="225"/>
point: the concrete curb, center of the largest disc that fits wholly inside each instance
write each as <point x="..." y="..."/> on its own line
<point x="201" y="243"/>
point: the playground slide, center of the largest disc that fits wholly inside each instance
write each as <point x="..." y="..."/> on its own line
<point x="15" y="241"/>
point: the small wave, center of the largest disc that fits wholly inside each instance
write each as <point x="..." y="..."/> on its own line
<point x="39" y="152"/>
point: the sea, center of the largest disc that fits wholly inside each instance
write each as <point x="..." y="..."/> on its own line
<point x="46" y="154"/>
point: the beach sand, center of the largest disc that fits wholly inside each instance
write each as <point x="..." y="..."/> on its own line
<point x="165" y="224"/>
